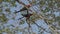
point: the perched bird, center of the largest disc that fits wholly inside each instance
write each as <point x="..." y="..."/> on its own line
<point x="27" y="16"/>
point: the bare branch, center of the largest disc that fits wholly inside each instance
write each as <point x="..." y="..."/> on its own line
<point x="20" y="2"/>
<point x="40" y="27"/>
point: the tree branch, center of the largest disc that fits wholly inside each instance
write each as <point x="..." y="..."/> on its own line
<point x="20" y="2"/>
<point x="40" y="27"/>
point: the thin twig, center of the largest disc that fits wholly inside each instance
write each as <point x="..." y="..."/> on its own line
<point x="29" y="27"/>
<point x="20" y="18"/>
<point x="29" y="2"/>
<point x="20" y="2"/>
<point x="40" y="27"/>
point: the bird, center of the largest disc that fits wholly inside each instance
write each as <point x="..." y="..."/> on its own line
<point x="27" y="16"/>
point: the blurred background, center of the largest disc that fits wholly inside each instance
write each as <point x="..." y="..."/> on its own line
<point x="45" y="18"/>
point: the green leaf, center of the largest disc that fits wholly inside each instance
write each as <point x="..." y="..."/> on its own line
<point x="21" y="22"/>
<point x="42" y="3"/>
<point x="7" y="0"/>
<point x="53" y="27"/>
<point x="46" y="10"/>
<point x="58" y="5"/>
<point x="0" y="10"/>
<point x="3" y="18"/>
<point x="57" y="18"/>
<point x="13" y="4"/>
<point x="1" y="1"/>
